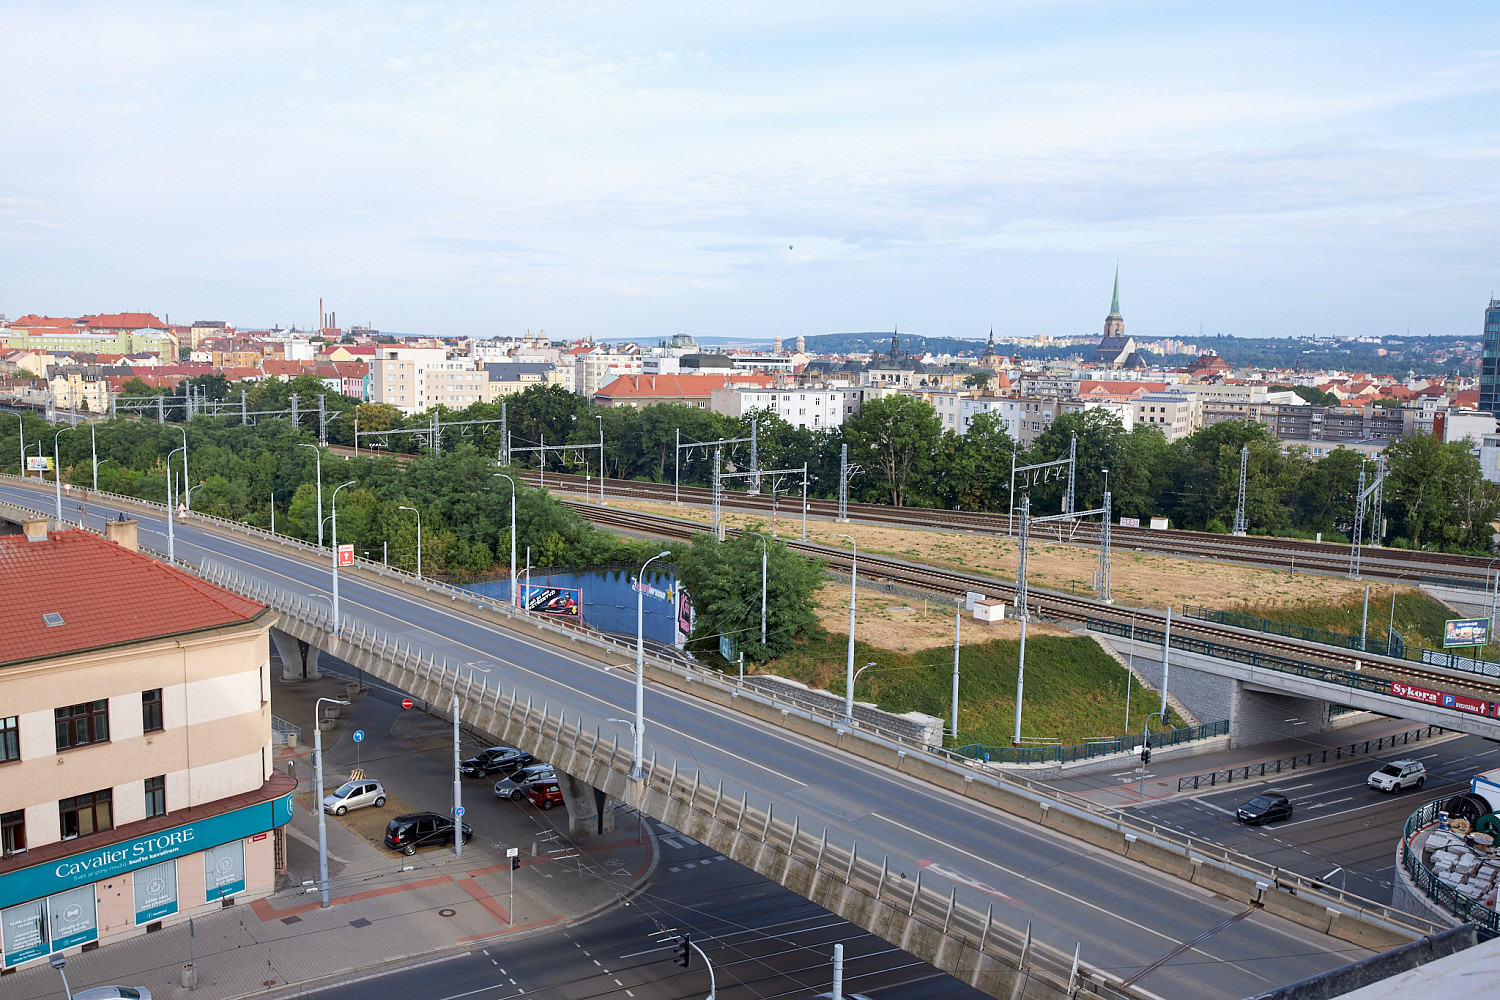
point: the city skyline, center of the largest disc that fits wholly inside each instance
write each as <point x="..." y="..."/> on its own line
<point x="601" y="172"/>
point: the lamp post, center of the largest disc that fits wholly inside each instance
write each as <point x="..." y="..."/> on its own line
<point x="171" y="513"/>
<point x="419" y="538"/>
<point x="849" y="670"/>
<point x="58" y="960"/>
<point x="334" y="548"/>
<point x="94" y="454"/>
<point x="318" y="452"/>
<point x="1129" y="665"/>
<point x="189" y="500"/>
<point x="636" y="770"/>
<point x="1494" y="591"/>
<point x="1390" y="628"/>
<point x="57" y="470"/>
<point x="861" y="670"/>
<point x="513" y="591"/>
<point x="318" y="793"/>
<point x="600" y="418"/>
<point x="763" y="550"/>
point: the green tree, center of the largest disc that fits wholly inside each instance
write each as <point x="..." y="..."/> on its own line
<point x="1438" y="495"/>
<point x="978" y="465"/>
<point x="725" y="579"/>
<point x="1100" y="436"/>
<point x="895" y="439"/>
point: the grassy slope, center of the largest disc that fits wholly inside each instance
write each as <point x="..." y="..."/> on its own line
<point x="1419" y="618"/>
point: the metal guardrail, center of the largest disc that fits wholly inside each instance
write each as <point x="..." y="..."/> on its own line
<point x="1088" y="751"/>
<point x="1360" y="747"/>
<point x="1306" y="633"/>
<point x="283" y="733"/>
<point x="1465" y="908"/>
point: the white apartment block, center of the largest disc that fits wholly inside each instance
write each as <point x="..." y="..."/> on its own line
<point x="815" y="409"/>
<point x="592" y="372"/>
<point x="1175" y="414"/>
<point x="398" y="375"/>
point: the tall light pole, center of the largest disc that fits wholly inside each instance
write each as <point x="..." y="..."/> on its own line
<point x="171" y="513"/>
<point x="185" y="480"/>
<point x="94" y="454"/>
<point x="1129" y="666"/>
<point x="637" y="771"/>
<point x="861" y="670"/>
<point x="335" y="550"/>
<point x="849" y="671"/>
<point x="318" y="794"/>
<point x="763" y="550"/>
<point x="1166" y="652"/>
<point x="419" y="538"/>
<point x="600" y="418"/>
<point x="57" y="470"/>
<point x="1390" y="628"/>
<point x="318" y="452"/>
<point x="513" y="591"/>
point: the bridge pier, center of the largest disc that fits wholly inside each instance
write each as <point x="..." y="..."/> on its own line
<point x="1258" y="714"/>
<point x="591" y="811"/>
<point x="299" y="658"/>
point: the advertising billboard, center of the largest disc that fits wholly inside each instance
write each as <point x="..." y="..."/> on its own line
<point x="562" y="601"/>
<point x="1466" y="632"/>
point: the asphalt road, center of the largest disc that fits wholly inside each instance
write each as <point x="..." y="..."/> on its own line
<point x="1126" y="916"/>
<point x="1337" y="820"/>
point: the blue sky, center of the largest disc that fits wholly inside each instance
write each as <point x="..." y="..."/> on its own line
<point x="739" y="169"/>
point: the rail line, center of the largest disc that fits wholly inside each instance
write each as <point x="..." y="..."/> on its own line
<point x="1289" y="553"/>
<point x="1071" y="609"/>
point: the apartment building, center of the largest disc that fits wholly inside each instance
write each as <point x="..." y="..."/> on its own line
<point x="1175" y="414"/>
<point x="689" y="390"/>
<point x="136" y="785"/>
<point x="595" y="370"/>
<point x="813" y="409"/>
<point x="398" y="375"/>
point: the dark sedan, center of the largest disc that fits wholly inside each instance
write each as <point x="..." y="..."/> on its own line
<point x="1264" y="808"/>
<point x="494" y="760"/>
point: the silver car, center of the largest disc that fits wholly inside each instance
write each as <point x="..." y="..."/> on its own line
<point x="353" y="794"/>
<point x="514" y="787"/>
<point x="114" y="993"/>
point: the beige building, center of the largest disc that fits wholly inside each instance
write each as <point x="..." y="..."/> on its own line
<point x="136" y="784"/>
<point x="1175" y="414"/>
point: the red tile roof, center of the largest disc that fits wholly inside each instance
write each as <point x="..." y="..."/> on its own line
<point x="122" y="321"/>
<point x="678" y="386"/>
<point x="106" y="595"/>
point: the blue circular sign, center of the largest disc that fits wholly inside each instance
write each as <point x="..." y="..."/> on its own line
<point x="459" y="811"/>
<point x="359" y="735"/>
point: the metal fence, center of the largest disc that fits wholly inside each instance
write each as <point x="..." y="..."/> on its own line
<point x="1244" y="772"/>
<point x="1465" y="908"/>
<point x="283" y="733"/>
<point x="1393" y="647"/>
<point x="1092" y="749"/>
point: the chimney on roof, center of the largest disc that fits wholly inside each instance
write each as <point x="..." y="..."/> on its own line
<point x="122" y="533"/>
<point x="35" y="528"/>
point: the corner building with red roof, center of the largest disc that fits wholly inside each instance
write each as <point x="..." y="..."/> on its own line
<point x="136" y="778"/>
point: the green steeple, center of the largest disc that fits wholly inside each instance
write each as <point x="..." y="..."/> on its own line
<point x="1114" y="306"/>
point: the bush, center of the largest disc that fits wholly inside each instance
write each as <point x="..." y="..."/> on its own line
<point x="1217" y="527"/>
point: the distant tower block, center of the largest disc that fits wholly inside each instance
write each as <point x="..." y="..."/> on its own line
<point x="776" y="345"/>
<point x="801" y="344"/>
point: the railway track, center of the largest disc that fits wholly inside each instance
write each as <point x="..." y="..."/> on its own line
<point x="1072" y="610"/>
<point x="1288" y="553"/>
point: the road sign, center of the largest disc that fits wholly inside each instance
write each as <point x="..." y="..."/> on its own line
<point x="346" y="555"/>
<point x="359" y="734"/>
<point x="459" y="811"/>
<point x="511" y="852"/>
<point x="406" y="703"/>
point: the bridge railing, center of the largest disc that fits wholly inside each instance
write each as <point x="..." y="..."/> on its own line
<point x="1092" y="749"/>
<point x="1262" y="768"/>
<point x="1466" y="908"/>
<point x="1383" y="647"/>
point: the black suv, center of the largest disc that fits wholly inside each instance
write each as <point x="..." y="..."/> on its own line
<point x="487" y="762"/>
<point x="407" y="833"/>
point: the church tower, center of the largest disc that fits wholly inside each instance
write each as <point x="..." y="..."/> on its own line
<point x="1114" y="323"/>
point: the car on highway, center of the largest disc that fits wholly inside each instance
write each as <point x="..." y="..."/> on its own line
<point x="113" y="993"/>
<point x="1264" y="808"/>
<point x="488" y="762"/>
<point x="414" y="830"/>
<point x="544" y="794"/>
<point x="1398" y="775"/>
<point x="514" y="787"/>
<point x="353" y="795"/>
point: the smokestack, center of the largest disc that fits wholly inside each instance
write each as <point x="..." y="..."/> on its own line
<point x="35" y="528"/>
<point x="122" y="533"/>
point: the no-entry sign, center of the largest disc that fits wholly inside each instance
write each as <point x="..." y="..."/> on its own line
<point x="406" y="703"/>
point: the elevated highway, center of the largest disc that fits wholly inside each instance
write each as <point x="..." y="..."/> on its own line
<point x="951" y="862"/>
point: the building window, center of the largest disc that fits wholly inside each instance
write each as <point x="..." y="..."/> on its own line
<point x="10" y="738"/>
<point x="12" y="832"/>
<point x="80" y="725"/>
<point x="156" y="796"/>
<point x="151" y="718"/>
<point x="86" y="814"/>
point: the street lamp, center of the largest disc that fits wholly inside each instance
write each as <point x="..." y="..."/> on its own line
<point x="513" y="593"/>
<point x="861" y="670"/>
<point x="335" y="550"/>
<point x="58" y="960"/>
<point x="419" y="538"/>
<point x="318" y="452"/>
<point x="1390" y="628"/>
<point x="1129" y="666"/>
<point x="763" y="550"/>
<point x="189" y="500"/>
<point x="600" y="418"/>
<point x="171" y="512"/>
<point x="636" y="769"/>
<point x="849" y="686"/>
<point x="57" y="470"/>
<point x="1494" y="591"/>
<point x="318" y="794"/>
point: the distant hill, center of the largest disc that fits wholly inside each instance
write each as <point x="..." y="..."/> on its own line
<point x="849" y="343"/>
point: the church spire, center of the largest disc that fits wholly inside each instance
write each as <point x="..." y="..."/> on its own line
<point x="1114" y="306"/>
<point x="992" y="340"/>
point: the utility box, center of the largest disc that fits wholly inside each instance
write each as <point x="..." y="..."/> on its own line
<point x="989" y="610"/>
<point x="970" y="597"/>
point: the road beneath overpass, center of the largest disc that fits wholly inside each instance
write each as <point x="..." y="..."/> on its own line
<point x="1127" y="917"/>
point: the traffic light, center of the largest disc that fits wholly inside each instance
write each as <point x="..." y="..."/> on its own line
<point x="1146" y="754"/>
<point x="682" y="954"/>
<point x="1166" y="718"/>
<point x="515" y="863"/>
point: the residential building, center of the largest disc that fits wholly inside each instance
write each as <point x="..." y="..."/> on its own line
<point x="79" y="387"/>
<point x="1175" y="414"/>
<point x="398" y="375"/>
<point x="812" y="409"/>
<point x="135" y="744"/>
<point x="597" y="369"/>
<point x="509" y="377"/>
<point x="690" y="390"/>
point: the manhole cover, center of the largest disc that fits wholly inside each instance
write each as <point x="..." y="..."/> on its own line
<point x="291" y="920"/>
<point x="361" y="922"/>
<point x="447" y="913"/>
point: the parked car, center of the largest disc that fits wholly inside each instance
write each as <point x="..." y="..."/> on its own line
<point x="1399" y="774"/>
<point x="352" y="795"/>
<point x="514" y="787"/>
<point x="113" y="993"/>
<point x="1264" y="808"/>
<point x="544" y="794"/>
<point x="414" y="830"/>
<point x="487" y="762"/>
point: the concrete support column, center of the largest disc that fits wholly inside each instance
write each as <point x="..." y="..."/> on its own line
<point x="590" y="811"/>
<point x="299" y="660"/>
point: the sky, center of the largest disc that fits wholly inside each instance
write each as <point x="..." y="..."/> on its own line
<point x="631" y="171"/>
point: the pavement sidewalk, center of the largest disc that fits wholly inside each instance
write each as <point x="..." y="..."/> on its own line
<point x="385" y="908"/>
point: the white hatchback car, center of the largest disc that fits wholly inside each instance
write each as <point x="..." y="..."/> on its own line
<point x="353" y="794"/>
<point x="1398" y="774"/>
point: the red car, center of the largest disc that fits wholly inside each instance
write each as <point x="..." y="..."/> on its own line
<point x="544" y="794"/>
